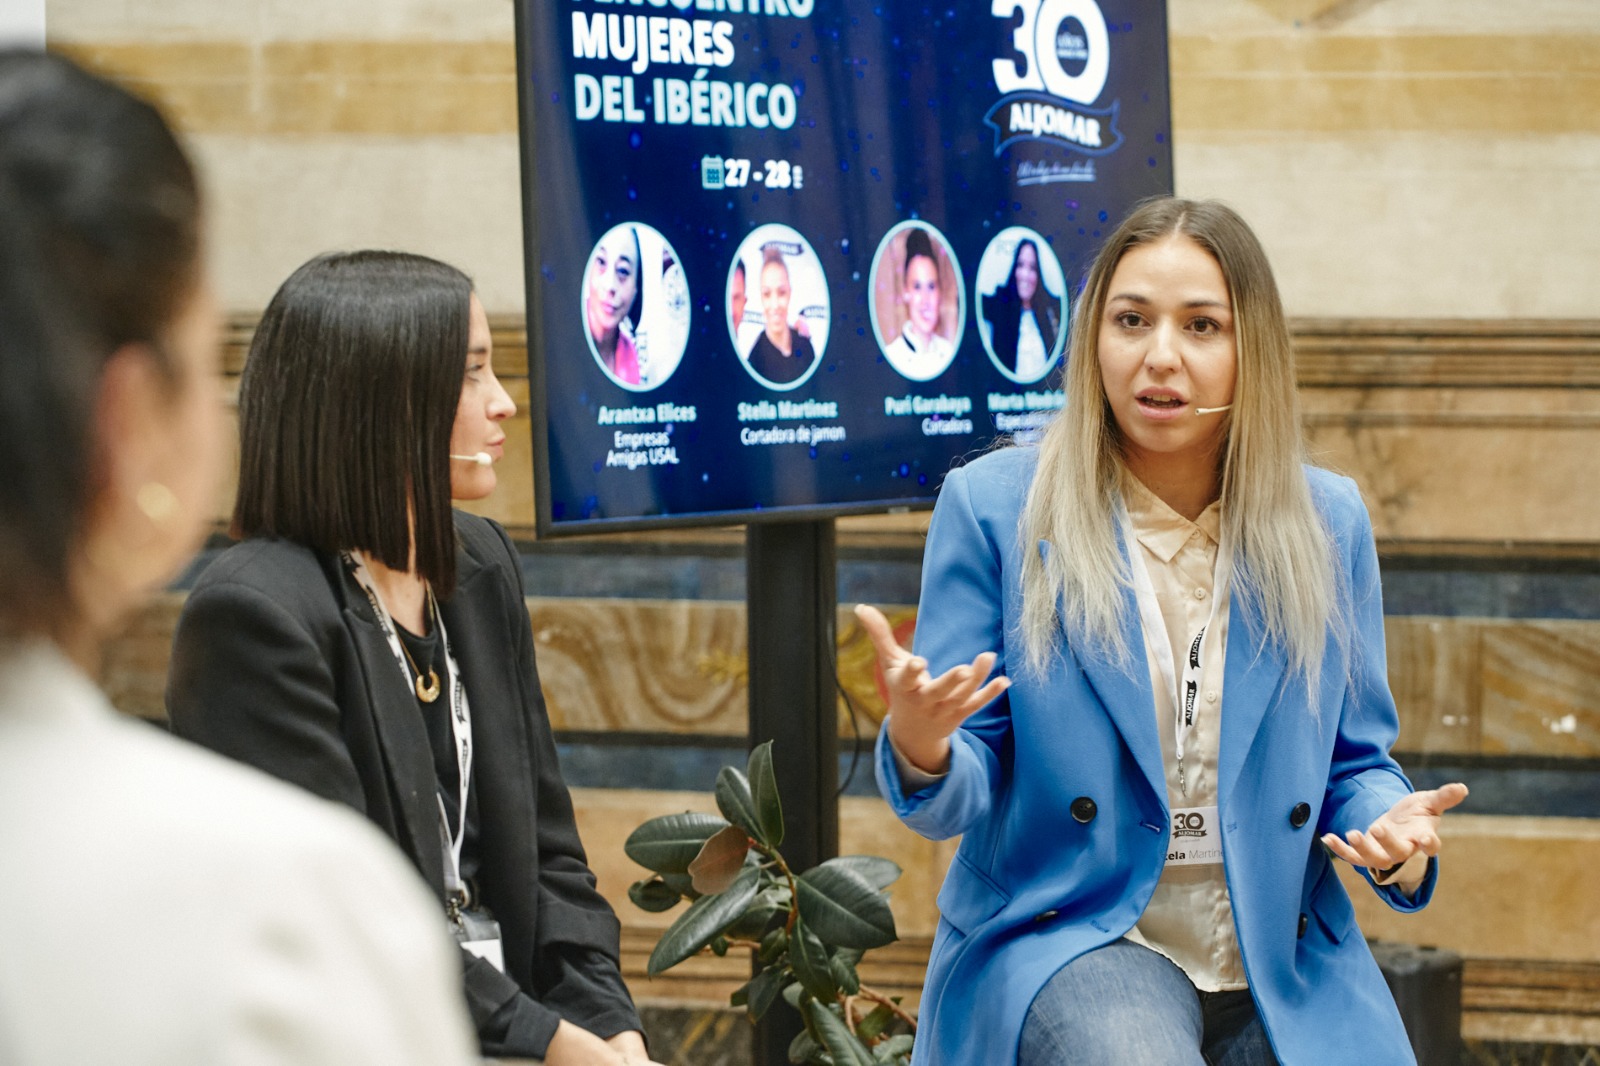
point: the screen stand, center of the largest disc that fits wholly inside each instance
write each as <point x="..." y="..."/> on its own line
<point x="792" y="604"/>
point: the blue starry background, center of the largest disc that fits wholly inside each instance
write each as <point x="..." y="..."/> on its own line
<point x="891" y="99"/>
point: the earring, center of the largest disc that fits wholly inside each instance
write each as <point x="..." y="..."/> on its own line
<point x="157" y="502"/>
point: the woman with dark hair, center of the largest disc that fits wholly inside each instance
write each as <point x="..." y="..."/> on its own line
<point x="370" y="644"/>
<point x="921" y="352"/>
<point x="614" y="297"/>
<point x="781" y="353"/>
<point x="1188" y="720"/>
<point x="161" y="906"/>
<point x="1024" y="317"/>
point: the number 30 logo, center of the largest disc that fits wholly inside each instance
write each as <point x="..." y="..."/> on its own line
<point x="1039" y="41"/>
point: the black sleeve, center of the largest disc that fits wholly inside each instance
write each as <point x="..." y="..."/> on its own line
<point x="248" y="681"/>
<point x="579" y="972"/>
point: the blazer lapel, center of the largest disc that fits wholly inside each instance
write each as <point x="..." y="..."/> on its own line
<point x="476" y="618"/>
<point x="1125" y="691"/>
<point x="1252" y="674"/>
<point x="403" y="739"/>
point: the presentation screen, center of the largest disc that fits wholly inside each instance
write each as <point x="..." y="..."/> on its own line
<point x="798" y="258"/>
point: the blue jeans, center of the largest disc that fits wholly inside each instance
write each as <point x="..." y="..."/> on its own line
<point x="1126" y="1005"/>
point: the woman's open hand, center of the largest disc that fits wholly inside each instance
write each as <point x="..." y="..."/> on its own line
<point x="924" y="710"/>
<point x="1406" y="829"/>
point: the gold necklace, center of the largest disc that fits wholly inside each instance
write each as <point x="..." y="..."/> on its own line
<point x="427" y="690"/>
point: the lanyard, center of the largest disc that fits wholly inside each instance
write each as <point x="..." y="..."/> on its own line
<point x="460" y="723"/>
<point x="1185" y="698"/>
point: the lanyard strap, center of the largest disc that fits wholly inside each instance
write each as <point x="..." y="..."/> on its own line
<point x="460" y="722"/>
<point x="1185" y="703"/>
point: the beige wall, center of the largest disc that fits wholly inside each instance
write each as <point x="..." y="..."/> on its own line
<point x="1401" y="158"/>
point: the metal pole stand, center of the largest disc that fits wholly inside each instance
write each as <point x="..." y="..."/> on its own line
<point x="791" y="599"/>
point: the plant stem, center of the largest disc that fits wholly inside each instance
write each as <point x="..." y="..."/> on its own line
<point x="878" y="997"/>
<point x="794" y="890"/>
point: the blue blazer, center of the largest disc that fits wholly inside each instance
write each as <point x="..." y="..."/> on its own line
<point x="1032" y="888"/>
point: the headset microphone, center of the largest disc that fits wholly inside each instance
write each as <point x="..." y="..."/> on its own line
<point x="1211" y="410"/>
<point x="481" y="458"/>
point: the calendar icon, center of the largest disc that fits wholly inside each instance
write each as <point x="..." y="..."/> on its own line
<point x="711" y="172"/>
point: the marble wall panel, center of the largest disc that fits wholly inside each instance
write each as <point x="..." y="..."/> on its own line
<point x="643" y="665"/>
<point x="1510" y="888"/>
<point x="190" y="20"/>
<point x="278" y="201"/>
<point x="1464" y="686"/>
<point x="1434" y="675"/>
<point x="1540" y="690"/>
<point x="1483" y="464"/>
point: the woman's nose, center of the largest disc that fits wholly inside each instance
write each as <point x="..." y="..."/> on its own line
<point x="501" y="405"/>
<point x="1163" y="350"/>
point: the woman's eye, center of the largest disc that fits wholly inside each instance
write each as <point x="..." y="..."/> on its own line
<point x="1204" y="326"/>
<point x="1129" y="320"/>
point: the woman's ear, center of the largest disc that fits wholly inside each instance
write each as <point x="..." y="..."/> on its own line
<point x="134" y="401"/>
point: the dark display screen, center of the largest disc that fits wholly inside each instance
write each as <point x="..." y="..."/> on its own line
<point x="797" y="258"/>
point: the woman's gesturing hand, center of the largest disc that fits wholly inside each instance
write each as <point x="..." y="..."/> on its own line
<point x="1406" y="829"/>
<point x="924" y="710"/>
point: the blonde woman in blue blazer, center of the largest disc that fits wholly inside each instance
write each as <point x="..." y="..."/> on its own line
<point x="1154" y="767"/>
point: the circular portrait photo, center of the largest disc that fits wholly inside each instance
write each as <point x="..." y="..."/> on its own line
<point x="777" y="306"/>
<point x="1022" y="304"/>
<point x="918" y="301"/>
<point x="635" y="306"/>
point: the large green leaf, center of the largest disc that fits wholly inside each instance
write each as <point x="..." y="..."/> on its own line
<point x="844" y="974"/>
<point x="762" y="992"/>
<point x="775" y="943"/>
<point x="809" y="960"/>
<point x="759" y="918"/>
<point x="682" y="884"/>
<point x="841" y="1043"/>
<point x="764" y="795"/>
<point x="703" y="922"/>
<point x="844" y="909"/>
<point x="719" y="861"/>
<point x="669" y="844"/>
<point x="875" y="1022"/>
<point x="652" y="894"/>
<point x="878" y="872"/>
<point x="737" y="804"/>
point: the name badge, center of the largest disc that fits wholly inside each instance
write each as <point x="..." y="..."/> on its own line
<point x="1196" y="837"/>
<point x="489" y="950"/>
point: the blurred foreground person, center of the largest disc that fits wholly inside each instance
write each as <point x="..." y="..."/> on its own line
<point x="160" y="905"/>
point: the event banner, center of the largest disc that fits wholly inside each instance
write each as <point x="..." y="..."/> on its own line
<point x="791" y="258"/>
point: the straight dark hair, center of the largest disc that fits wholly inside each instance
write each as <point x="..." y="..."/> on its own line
<point x="346" y="407"/>
<point x="99" y="249"/>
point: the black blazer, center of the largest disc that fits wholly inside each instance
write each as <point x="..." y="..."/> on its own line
<point x="279" y="662"/>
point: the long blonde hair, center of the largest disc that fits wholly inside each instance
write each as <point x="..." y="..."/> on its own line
<point x="1283" y="563"/>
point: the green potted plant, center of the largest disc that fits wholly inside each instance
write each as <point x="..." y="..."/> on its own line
<point x="807" y="931"/>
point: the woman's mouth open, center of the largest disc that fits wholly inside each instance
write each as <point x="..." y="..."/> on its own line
<point x="1161" y="404"/>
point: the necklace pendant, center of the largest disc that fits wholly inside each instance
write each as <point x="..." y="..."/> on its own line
<point x="428" y="691"/>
